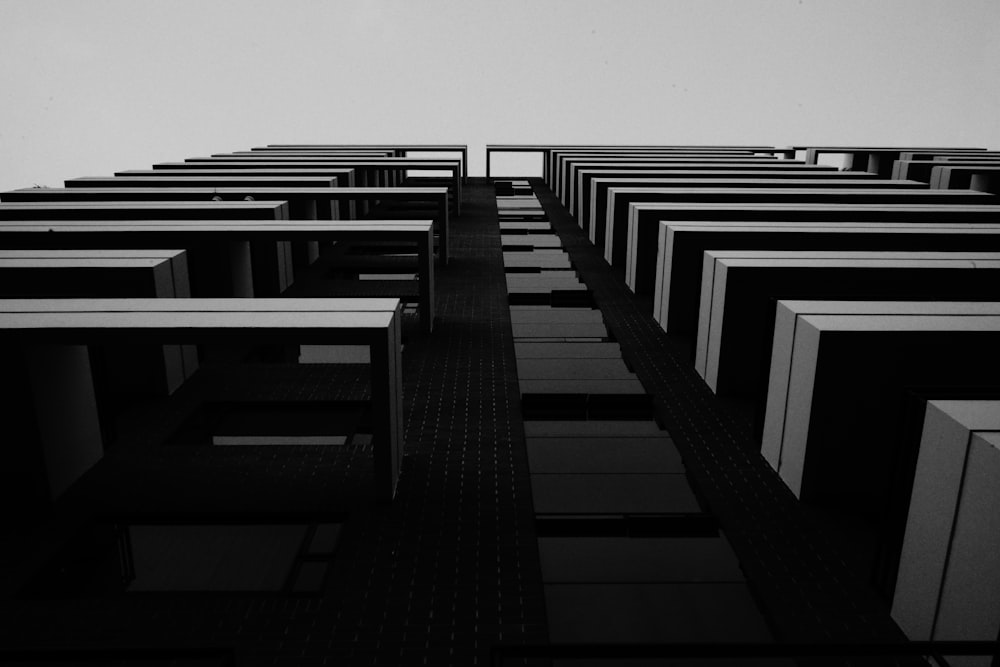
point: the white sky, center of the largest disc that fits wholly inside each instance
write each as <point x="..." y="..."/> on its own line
<point x="91" y="87"/>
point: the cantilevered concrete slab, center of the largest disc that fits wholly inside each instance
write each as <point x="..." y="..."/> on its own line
<point x="383" y="166"/>
<point x="612" y="200"/>
<point x="103" y="273"/>
<point x="398" y="150"/>
<point x="618" y="236"/>
<point x="592" y="184"/>
<point x="304" y="203"/>
<point x="739" y="289"/>
<point x="876" y="159"/>
<point x="923" y="170"/>
<point x="564" y="171"/>
<point x="145" y="210"/>
<point x="49" y="338"/>
<point x="640" y="261"/>
<point x="682" y="246"/>
<point x="239" y="258"/>
<point x="838" y="373"/>
<point x="982" y="177"/>
<point x="640" y="168"/>
<point x="948" y="571"/>
<point x="570" y="166"/>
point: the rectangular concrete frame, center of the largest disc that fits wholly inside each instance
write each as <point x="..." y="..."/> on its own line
<point x="643" y="227"/>
<point x="619" y="200"/>
<point x="681" y="246"/>
<point x="933" y="156"/>
<point x="164" y="210"/>
<point x="552" y="154"/>
<point x="877" y="159"/>
<point x="368" y="171"/>
<point x="247" y="276"/>
<point x="292" y="152"/>
<point x="375" y="165"/>
<point x="923" y="170"/>
<point x="318" y="152"/>
<point x="559" y="158"/>
<point x="300" y="205"/>
<point x="156" y="179"/>
<point x="641" y="202"/>
<point x="177" y="260"/>
<point x="657" y="166"/>
<point x="717" y="331"/>
<point x="584" y="174"/>
<point x="594" y="211"/>
<point x="590" y="206"/>
<point x="799" y="327"/>
<point x="361" y="177"/>
<point x="168" y="279"/>
<point x="980" y="177"/>
<point x="951" y="530"/>
<point x="564" y="164"/>
<point x="554" y="151"/>
<point x="570" y="166"/>
<point x="623" y="243"/>
<point x="885" y="163"/>
<point x="547" y="149"/>
<point x="145" y="210"/>
<point x="399" y="150"/>
<point x="968" y="605"/>
<point x="304" y="210"/>
<point x="304" y="203"/>
<point x="391" y="178"/>
<point x="959" y="154"/>
<point x="56" y="323"/>
<point x="562" y="161"/>
<point x="299" y="209"/>
<point x="774" y="169"/>
<point x="342" y="178"/>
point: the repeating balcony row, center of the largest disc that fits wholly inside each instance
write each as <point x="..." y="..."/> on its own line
<point x="827" y="304"/>
<point x="177" y="258"/>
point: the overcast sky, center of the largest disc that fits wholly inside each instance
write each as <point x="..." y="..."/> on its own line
<point x="91" y="87"/>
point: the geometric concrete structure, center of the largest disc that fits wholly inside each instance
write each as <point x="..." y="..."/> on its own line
<point x="394" y="150"/>
<point x="639" y="517"/>
<point x="570" y="167"/>
<point x="619" y="228"/>
<point x="37" y="273"/>
<point x="682" y="247"/>
<point x="278" y="178"/>
<point x="948" y="571"/>
<point x="837" y="372"/>
<point x="923" y="170"/>
<point x="145" y="210"/>
<point x="565" y="162"/>
<point x="879" y="159"/>
<point x="592" y="183"/>
<point x="620" y="201"/>
<point x="597" y="187"/>
<point x="233" y="258"/>
<point x="548" y="152"/>
<point x="304" y="203"/>
<point x="381" y="171"/>
<point x="774" y="169"/>
<point x="103" y="273"/>
<point x="738" y="289"/>
<point x="50" y="336"/>
<point x="640" y="253"/>
<point x="958" y="176"/>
